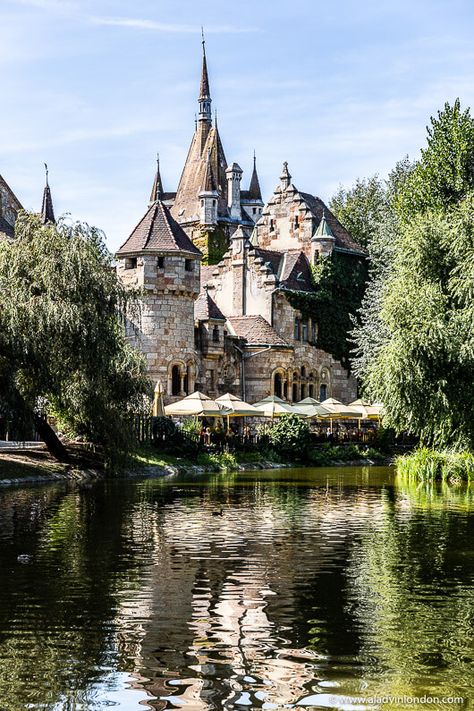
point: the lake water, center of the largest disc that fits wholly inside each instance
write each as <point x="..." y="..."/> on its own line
<point x="299" y="589"/>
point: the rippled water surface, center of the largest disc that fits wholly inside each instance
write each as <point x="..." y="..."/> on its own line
<point x="284" y="589"/>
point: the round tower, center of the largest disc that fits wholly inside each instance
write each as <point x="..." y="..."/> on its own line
<point x="161" y="262"/>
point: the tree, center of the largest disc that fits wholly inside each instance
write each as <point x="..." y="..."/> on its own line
<point x="445" y="173"/>
<point x="290" y="436"/>
<point x="361" y="208"/>
<point x="62" y="340"/>
<point x="422" y="370"/>
<point x="414" y="344"/>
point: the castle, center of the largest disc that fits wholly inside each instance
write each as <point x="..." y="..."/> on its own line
<point x="215" y="266"/>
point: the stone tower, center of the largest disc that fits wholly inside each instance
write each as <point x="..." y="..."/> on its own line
<point x="160" y="260"/>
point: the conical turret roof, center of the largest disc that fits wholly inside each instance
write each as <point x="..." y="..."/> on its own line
<point x="47" y="211"/>
<point x="254" y="188"/>
<point x="157" y="189"/>
<point x="157" y="231"/>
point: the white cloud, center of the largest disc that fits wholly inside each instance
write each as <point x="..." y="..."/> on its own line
<point x="145" y="24"/>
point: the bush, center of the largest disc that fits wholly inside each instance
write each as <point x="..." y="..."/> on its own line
<point x="427" y="464"/>
<point x="218" y="461"/>
<point x="290" y="436"/>
<point x="163" y="428"/>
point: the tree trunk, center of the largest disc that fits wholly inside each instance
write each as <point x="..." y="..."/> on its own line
<point x="51" y="440"/>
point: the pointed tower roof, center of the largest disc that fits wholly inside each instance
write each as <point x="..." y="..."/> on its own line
<point x="47" y="211"/>
<point x="204" y="92"/>
<point x="205" y="308"/>
<point x="157" y="189"/>
<point x="157" y="231"/>
<point x="323" y="229"/>
<point x="254" y="188"/>
<point x="209" y="184"/>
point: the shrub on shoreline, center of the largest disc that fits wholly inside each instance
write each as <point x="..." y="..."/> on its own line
<point x="427" y="464"/>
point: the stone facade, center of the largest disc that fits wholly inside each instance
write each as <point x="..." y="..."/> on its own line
<point x="230" y="326"/>
<point x="9" y="208"/>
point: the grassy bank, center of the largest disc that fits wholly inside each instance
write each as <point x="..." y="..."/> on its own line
<point x="425" y="464"/>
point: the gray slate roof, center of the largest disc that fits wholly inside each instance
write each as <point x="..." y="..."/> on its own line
<point x="256" y="331"/>
<point x="158" y="231"/>
<point x="205" y="308"/>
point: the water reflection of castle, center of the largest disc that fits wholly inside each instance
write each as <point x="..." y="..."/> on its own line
<point x="217" y="622"/>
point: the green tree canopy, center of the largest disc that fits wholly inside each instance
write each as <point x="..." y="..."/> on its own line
<point x="62" y="338"/>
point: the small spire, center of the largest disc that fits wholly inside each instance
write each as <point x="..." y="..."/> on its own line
<point x="285" y="177"/>
<point x="47" y="211"/>
<point x="324" y="229"/>
<point x="204" y="92"/>
<point x="254" y="188"/>
<point x="157" y="189"/>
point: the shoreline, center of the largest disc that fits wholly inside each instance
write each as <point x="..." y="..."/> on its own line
<point x="28" y="470"/>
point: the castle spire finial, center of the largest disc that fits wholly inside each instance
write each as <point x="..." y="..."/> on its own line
<point x="254" y="188"/>
<point x="157" y="189"/>
<point x="47" y="211"/>
<point x="204" y="92"/>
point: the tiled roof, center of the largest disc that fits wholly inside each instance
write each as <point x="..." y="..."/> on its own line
<point x="158" y="231"/>
<point x="205" y="308"/>
<point x="256" y="331"/>
<point x="342" y="236"/>
<point x="272" y="256"/>
<point x="206" y="141"/>
<point x="296" y="272"/>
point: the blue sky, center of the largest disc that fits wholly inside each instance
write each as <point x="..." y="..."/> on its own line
<point x="340" y="90"/>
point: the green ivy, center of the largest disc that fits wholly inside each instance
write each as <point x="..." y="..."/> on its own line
<point x="340" y="282"/>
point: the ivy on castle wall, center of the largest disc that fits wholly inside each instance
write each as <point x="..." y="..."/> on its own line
<point x="340" y="282"/>
<point x="213" y="244"/>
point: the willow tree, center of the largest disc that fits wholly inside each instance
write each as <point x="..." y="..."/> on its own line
<point x="62" y="339"/>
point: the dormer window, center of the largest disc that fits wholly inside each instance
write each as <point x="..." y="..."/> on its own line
<point x="215" y="334"/>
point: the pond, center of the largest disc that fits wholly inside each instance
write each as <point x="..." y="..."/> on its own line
<point x="317" y="588"/>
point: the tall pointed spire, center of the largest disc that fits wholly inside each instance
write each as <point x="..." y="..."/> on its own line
<point x="157" y="189"/>
<point x="254" y="188"/>
<point x="204" y="92"/>
<point x="47" y="212"/>
<point x="209" y="184"/>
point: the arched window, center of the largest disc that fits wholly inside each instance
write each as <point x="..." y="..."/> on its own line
<point x="277" y="385"/>
<point x="303" y="391"/>
<point x="311" y="390"/>
<point x="175" y="380"/>
<point x="323" y="391"/>
<point x="303" y="371"/>
<point x="295" y="392"/>
<point x="215" y="334"/>
<point x="304" y="331"/>
<point x="314" y="332"/>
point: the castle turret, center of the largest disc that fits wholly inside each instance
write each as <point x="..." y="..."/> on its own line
<point x="47" y="211"/>
<point x="323" y="240"/>
<point x="251" y="199"/>
<point x="234" y="176"/>
<point x="204" y="91"/>
<point x="160" y="260"/>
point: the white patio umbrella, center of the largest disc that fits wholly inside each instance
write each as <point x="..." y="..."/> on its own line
<point x="238" y="407"/>
<point x="338" y="411"/>
<point x="366" y="409"/>
<point x="158" y="405"/>
<point x="198" y="405"/>
<point x="312" y="408"/>
<point x="273" y="406"/>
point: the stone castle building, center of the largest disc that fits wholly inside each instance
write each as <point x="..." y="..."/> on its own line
<point x="216" y="267"/>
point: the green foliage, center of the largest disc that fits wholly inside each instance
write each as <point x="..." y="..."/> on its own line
<point x="361" y="207"/>
<point x="445" y="173"/>
<point x="163" y="428"/>
<point x="290" y="436"/>
<point x="218" y="461"/>
<point x="62" y="340"/>
<point x="433" y="465"/>
<point x="340" y="285"/>
<point x="328" y="454"/>
<point x="423" y="370"/>
<point x="192" y="426"/>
